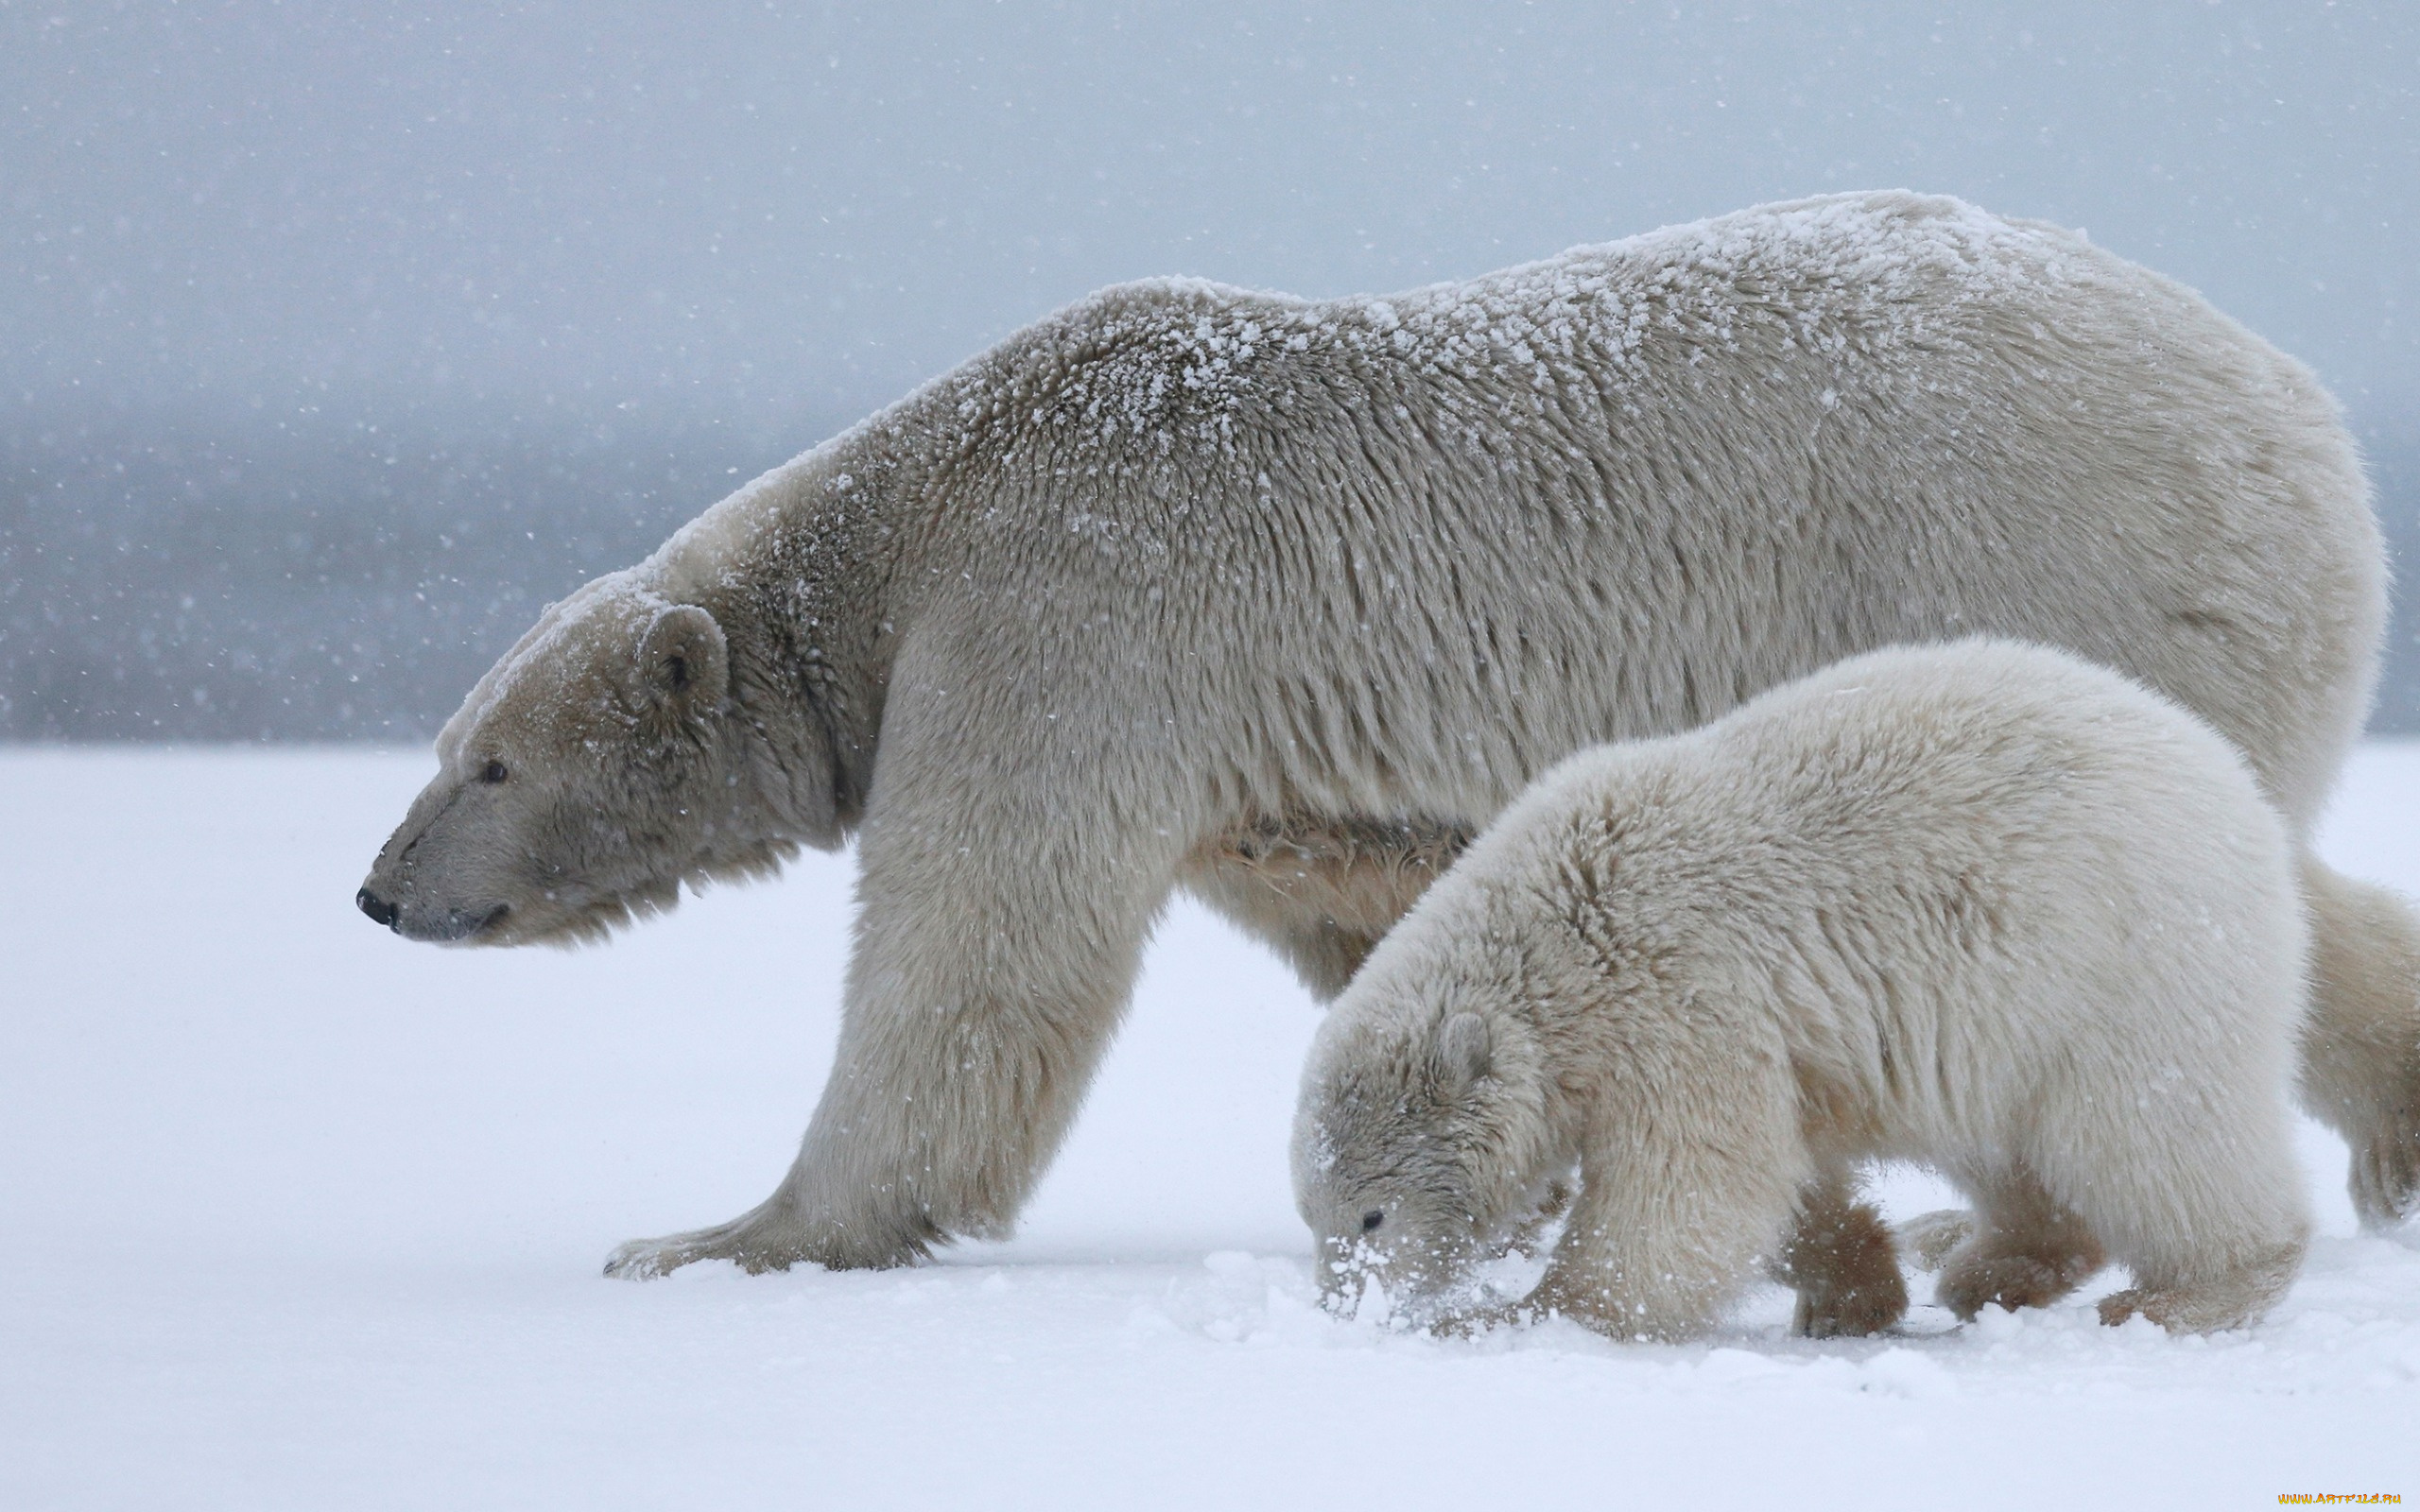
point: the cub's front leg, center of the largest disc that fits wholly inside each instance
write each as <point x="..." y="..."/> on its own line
<point x="1690" y="1172"/>
<point x="1841" y="1260"/>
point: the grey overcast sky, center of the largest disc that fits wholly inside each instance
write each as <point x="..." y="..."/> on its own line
<point x="783" y="210"/>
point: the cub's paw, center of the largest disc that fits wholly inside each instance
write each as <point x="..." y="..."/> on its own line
<point x="1972" y="1281"/>
<point x="2188" y="1309"/>
<point x="2232" y="1299"/>
<point x="1845" y="1269"/>
<point x="2118" y="1307"/>
<point x="1969" y="1286"/>
<point x="1473" y="1321"/>
<point x="1845" y="1307"/>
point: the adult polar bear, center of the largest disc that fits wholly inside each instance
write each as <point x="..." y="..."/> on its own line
<point x="1281" y="601"/>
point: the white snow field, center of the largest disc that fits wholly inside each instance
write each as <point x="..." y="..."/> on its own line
<point x="298" y="1216"/>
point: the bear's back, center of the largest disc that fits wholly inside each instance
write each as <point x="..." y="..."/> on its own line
<point x="1422" y="547"/>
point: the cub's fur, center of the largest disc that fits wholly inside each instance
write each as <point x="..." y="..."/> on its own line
<point x="1982" y="907"/>
<point x="1279" y="600"/>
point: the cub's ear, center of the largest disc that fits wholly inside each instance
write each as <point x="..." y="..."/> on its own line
<point x="684" y="663"/>
<point x="1466" y="1050"/>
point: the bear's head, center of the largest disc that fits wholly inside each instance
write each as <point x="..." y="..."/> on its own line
<point x="1419" y="1142"/>
<point x="602" y="762"/>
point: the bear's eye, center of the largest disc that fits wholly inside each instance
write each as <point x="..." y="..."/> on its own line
<point x="1370" y="1219"/>
<point x="492" y="772"/>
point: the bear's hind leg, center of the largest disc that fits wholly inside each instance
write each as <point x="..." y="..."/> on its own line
<point x="2360" y="1072"/>
<point x="2027" y="1250"/>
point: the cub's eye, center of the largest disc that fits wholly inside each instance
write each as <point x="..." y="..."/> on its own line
<point x="494" y="772"/>
<point x="1370" y="1219"/>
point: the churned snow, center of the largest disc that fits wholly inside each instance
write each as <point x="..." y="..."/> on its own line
<point x="300" y="1215"/>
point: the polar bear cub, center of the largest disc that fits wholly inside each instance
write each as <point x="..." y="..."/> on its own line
<point x="1982" y="907"/>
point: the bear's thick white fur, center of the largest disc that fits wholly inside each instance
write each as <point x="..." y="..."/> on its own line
<point x="1283" y="600"/>
<point x="1981" y="906"/>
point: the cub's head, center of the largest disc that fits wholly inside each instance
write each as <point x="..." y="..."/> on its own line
<point x="603" y="761"/>
<point x="1420" y="1137"/>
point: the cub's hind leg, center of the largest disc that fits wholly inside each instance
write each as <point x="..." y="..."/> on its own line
<point x="2204" y="1204"/>
<point x="2235" y="1297"/>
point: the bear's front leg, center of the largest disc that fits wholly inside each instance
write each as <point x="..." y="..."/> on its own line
<point x="1002" y="917"/>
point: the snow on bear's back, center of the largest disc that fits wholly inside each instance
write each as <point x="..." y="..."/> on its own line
<point x="1869" y="262"/>
<point x="1170" y="361"/>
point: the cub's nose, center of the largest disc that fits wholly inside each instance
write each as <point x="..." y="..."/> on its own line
<point x="379" y="909"/>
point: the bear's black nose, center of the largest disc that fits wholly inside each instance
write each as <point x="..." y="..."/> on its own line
<point x="379" y="909"/>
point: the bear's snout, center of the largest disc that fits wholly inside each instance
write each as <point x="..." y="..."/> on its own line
<point x="380" y="911"/>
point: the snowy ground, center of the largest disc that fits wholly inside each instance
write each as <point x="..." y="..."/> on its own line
<point x="294" y="1214"/>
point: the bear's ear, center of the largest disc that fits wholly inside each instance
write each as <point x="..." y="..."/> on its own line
<point x="1465" y="1048"/>
<point x="684" y="663"/>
